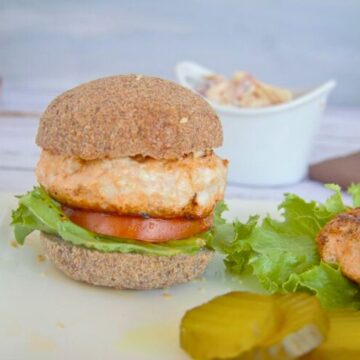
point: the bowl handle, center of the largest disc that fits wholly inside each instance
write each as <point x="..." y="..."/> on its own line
<point x="190" y="73"/>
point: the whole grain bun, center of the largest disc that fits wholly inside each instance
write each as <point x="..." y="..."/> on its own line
<point x="129" y="115"/>
<point x="124" y="271"/>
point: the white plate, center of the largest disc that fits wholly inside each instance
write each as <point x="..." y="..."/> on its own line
<point x="45" y="315"/>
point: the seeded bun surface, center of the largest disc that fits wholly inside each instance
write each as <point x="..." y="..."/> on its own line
<point x="129" y="115"/>
<point x="124" y="271"/>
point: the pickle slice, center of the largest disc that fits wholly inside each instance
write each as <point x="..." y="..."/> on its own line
<point x="250" y="326"/>
<point x="229" y="325"/>
<point x="343" y="341"/>
<point x="304" y="327"/>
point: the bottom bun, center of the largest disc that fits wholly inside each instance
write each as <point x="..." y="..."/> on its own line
<point x="124" y="271"/>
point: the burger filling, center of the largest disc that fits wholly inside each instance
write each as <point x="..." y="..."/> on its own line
<point x="154" y="207"/>
<point x="186" y="187"/>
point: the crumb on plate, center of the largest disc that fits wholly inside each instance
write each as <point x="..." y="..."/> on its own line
<point x="40" y="258"/>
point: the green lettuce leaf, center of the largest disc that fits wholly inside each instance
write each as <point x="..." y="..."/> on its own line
<point x="354" y="191"/>
<point x="222" y="233"/>
<point x="327" y="282"/>
<point x="38" y="211"/>
<point x="283" y="254"/>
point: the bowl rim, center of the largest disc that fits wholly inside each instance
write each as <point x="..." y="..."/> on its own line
<point x="185" y="68"/>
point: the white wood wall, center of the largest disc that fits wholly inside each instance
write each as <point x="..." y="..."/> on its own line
<point x="56" y="44"/>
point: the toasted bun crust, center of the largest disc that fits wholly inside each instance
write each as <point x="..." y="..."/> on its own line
<point x="128" y="115"/>
<point x="124" y="271"/>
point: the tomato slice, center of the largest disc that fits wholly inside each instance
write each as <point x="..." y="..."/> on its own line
<point x="137" y="227"/>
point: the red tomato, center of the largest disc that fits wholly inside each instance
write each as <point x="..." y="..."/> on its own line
<point x="137" y="227"/>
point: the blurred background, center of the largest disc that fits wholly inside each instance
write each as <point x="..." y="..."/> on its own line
<point x="49" y="46"/>
<point x="53" y="45"/>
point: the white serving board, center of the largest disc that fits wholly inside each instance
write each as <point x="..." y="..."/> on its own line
<point x="45" y="315"/>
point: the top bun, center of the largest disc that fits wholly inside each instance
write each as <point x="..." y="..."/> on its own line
<point x="128" y="115"/>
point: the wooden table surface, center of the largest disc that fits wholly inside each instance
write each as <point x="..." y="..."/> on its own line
<point x="339" y="134"/>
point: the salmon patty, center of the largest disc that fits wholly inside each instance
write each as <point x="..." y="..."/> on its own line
<point x="186" y="187"/>
<point x="339" y="243"/>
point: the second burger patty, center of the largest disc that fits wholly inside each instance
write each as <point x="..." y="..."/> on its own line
<point x="186" y="187"/>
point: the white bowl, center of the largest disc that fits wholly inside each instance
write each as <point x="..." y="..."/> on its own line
<point x="265" y="146"/>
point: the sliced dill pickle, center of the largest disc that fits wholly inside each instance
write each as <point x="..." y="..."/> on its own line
<point x="304" y="327"/>
<point x="248" y="326"/>
<point x="229" y="325"/>
<point x="343" y="341"/>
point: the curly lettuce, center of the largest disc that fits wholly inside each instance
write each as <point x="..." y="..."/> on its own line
<point x="38" y="211"/>
<point x="283" y="254"/>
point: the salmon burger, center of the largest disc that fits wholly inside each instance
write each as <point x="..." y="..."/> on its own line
<point x="129" y="183"/>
